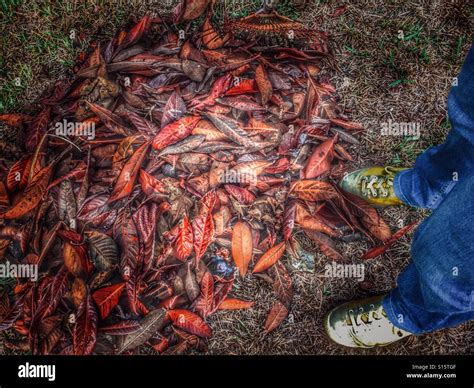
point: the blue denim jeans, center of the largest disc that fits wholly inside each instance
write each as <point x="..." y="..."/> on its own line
<point x="436" y="290"/>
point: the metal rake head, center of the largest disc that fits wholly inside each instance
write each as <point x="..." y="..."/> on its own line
<point x="267" y="26"/>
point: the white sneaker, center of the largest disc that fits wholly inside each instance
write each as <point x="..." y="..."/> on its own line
<point x="362" y="324"/>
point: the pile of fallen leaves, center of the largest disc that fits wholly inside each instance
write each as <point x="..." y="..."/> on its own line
<point x="168" y="165"/>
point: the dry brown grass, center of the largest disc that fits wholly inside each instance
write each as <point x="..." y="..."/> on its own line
<point x="364" y="36"/>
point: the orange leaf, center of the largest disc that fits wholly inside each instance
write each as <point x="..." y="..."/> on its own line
<point x="128" y="175"/>
<point x="242" y="246"/>
<point x="269" y="258"/>
<point x="313" y="190"/>
<point x="235" y="304"/>
<point x="14" y="119"/>
<point x="32" y="194"/>
<point x="190" y="322"/>
<point x="210" y="37"/>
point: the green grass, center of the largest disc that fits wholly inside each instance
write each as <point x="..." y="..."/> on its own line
<point x="7" y="9"/>
<point x="13" y="90"/>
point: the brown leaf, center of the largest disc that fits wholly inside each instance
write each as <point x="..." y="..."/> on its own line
<point x="109" y="119"/>
<point x="194" y="9"/>
<point x="282" y="283"/>
<point x="325" y="244"/>
<point x="370" y="218"/>
<point x="320" y="160"/>
<point x="276" y="316"/>
<point x="78" y="291"/>
<point x="174" y="109"/>
<point x="314" y="223"/>
<point x="264" y="84"/>
<point x="37" y="128"/>
<point x="289" y="215"/>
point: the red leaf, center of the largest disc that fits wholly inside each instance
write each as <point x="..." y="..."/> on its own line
<point x="377" y="251"/>
<point x="107" y="298"/>
<point x="85" y="329"/>
<point x="190" y="322"/>
<point x="205" y="302"/>
<point x="175" y="132"/>
<point x="282" y="283"/>
<point x="244" y="86"/>
<point x="203" y="232"/>
<point x="150" y="185"/>
<point x="184" y="242"/>
<point x="136" y="33"/>
<point x="241" y="194"/>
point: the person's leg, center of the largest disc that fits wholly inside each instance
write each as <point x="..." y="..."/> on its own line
<point x="436" y="290"/>
<point x="440" y="168"/>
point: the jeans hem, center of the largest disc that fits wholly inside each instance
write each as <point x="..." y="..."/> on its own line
<point x="392" y="316"/>
<point x="397" y="187"/>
